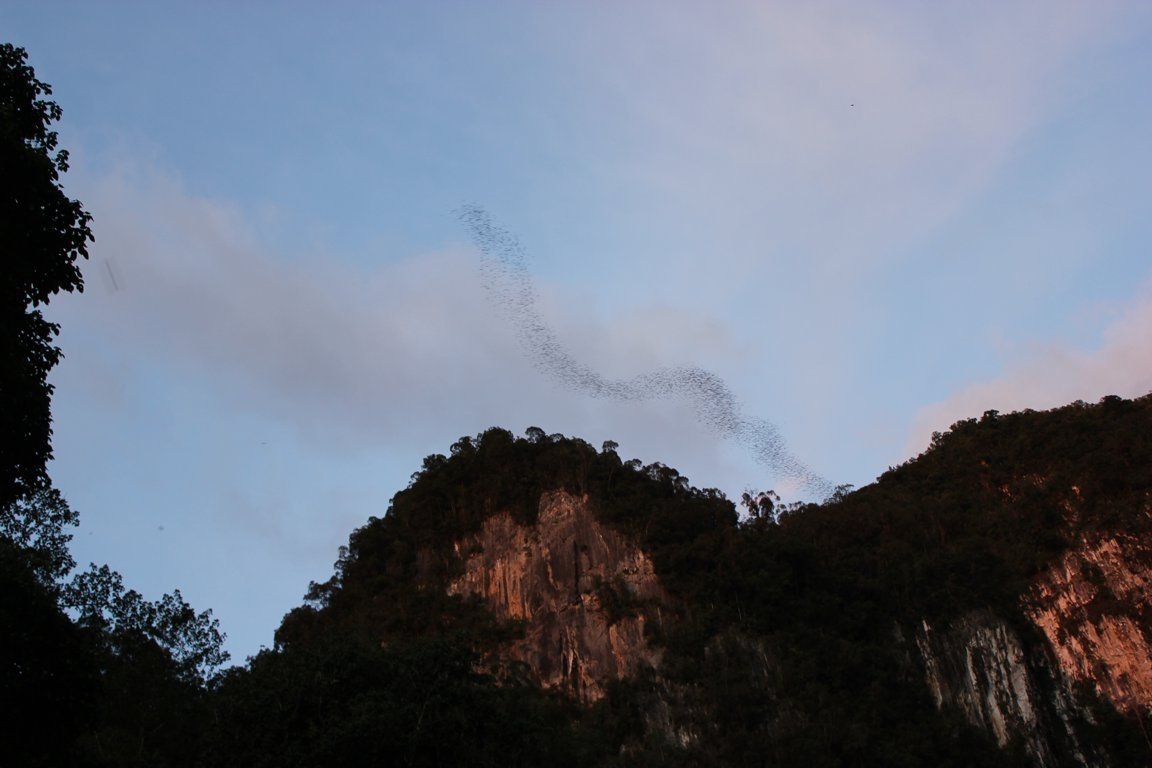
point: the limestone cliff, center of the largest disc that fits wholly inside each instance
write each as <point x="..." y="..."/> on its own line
<point x="585" y="593"/>
<point x="1093" y="613"/>
<point x="582" y="590"/>
<point x="980" y="665"/>
<point x="1094" y="607"/>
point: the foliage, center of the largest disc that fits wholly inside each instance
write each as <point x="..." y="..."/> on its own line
<point x="42" y="235"/>
<point x="48" y="676"/>
<point x="192" y="641"/>
<point x="36" y="525"/>
<point x="341" y="701"/>
<point x="125" y="684"/>
<point x="134" y="673"/>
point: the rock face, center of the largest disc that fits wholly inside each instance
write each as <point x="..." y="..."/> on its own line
<point x="585" y="595"/>
<point x="979" y="665"/>
<point x="1095" y="608"/>
<point x="582" y="590"/>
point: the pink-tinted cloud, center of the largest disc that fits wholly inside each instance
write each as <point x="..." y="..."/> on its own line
<point x="1055" y="375"/>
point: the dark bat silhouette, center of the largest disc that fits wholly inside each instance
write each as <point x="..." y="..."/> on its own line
<point x="504" y="268"/>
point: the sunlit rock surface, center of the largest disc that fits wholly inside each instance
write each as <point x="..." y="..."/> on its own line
<point x="585" y="595"/>
<point x="1093" y="613"/>
<point x="1095" y="608"/>
<point x="583" y="591"/>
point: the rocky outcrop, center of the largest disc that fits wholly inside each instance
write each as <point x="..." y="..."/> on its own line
<point x="586" y="596"/>
<point x="1095" y="608"/>
<point x="583" y="592"/>
<point x="1093" y="613"/>
<point x="979" y="665"/>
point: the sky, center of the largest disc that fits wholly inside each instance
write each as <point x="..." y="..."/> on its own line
<point x="866" y="220"/>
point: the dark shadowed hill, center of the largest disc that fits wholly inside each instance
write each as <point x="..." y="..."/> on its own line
<point x="531" y="599"/>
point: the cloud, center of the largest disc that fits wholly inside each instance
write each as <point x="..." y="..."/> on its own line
<point x="838" y="128"/>
<point x="306" y="335"/>
<point x="1056" y="375"/>
<point x="353" y="357"/>
<point x="803" y="169"/>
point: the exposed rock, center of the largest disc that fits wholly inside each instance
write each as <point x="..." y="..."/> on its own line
<point x="1095" y="608"/>
<point x="979" y="665"/>
<point x="583" y="591"/>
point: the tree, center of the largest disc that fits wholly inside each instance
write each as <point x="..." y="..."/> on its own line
<point x="125" y="619"/>
<point x="48" y="678"/>
<point x="36" y="527"/>
<point x="762" y="505"/>
<point x="43" y="234"/>
<point x="839" y="493"/>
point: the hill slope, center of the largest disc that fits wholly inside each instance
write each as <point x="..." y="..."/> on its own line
<point x="984" y="604"/>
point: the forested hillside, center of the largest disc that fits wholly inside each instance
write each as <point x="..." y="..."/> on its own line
<point x="789" y="634"/>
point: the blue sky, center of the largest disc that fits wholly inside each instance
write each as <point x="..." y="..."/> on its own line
<point x="869" y="219"/>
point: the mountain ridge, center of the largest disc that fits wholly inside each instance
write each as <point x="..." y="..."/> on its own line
<point x="981" y="604"/>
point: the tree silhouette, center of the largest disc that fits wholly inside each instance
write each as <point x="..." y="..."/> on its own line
<point x="42" y="235"/>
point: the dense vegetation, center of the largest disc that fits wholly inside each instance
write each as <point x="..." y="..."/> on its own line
<point x="829" y="593"/>
<point x="91" y="673"/>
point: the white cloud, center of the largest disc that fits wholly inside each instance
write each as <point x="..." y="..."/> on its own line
<point x="351" y="357"/>
<point x="311" y="337"/>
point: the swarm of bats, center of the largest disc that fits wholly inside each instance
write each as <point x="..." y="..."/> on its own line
<point x="504" y="269"/>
